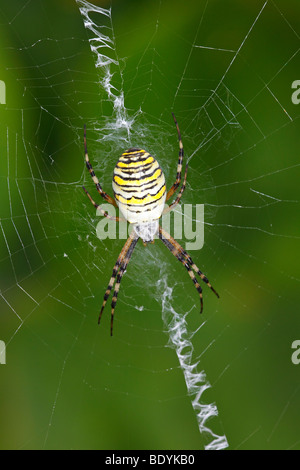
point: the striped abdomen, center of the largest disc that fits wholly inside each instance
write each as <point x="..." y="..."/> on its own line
<point x="139" y="186"/>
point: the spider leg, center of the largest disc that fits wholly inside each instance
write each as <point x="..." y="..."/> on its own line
<point x="120" y="268"/>
<point x="177" y="250"/>
<point x="174" y="204"/>
<point x="180" y="258"/>
<point x="110" y="285"/>
<point x="94" y="177"/>
<point x="188" y="259"/>
<point x="99" y="208"/>
<point x="119" y="279"/>
<point x="179" y="166"/>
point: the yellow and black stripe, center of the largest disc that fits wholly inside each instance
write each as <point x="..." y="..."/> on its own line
<point x="139" y="186"/>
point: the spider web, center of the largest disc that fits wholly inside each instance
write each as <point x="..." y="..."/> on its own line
<point x="121" y="71"/>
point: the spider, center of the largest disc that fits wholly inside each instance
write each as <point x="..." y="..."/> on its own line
<point x="140" y="193"/>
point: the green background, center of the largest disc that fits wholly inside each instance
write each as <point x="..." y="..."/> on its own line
<point x="67" y="383"/>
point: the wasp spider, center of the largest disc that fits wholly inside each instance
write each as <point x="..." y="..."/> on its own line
<point x="140" y="193"/>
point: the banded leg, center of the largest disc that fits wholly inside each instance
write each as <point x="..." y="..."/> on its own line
<point x="94" y="177"/>
<point x="183" y="261"/>
<point x="179" y="166"/>
<point x="174" y="204"/>
<point x="177" y="250"/>
<point x="119" y="279"/>
<point x="118" y="271"/>
<point x="188" y="258"/>
<point x="99" y="208"/>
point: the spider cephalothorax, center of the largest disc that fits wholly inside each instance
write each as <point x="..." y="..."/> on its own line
<point x="140" y="193"/>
